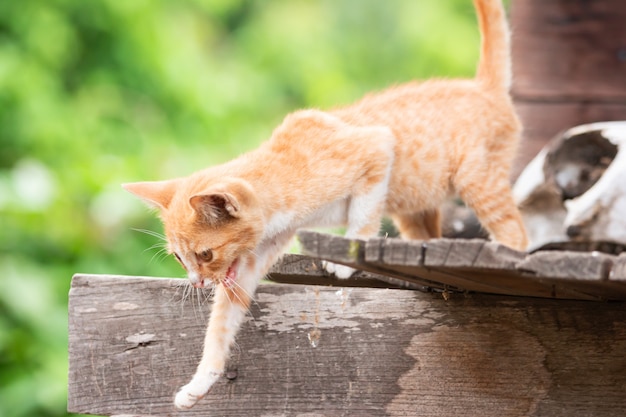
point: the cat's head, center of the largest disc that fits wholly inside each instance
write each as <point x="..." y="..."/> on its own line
<point x="210" y="229"/>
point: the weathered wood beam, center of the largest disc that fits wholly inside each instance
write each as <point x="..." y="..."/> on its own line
<point x="478" y="266"/>
<point x="298" y="269"/>
<point x="379" y="352"/>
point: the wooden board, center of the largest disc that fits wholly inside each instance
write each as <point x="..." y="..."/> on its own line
<point x="569" y="61"/>
<point x="379" y="352"/>
<point x="569" y="50"/>
<point x="478" y="266"/>
<point x="298" y="269"/>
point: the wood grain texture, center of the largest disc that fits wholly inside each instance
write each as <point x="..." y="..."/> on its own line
<point x="478" y="266"/>
<point x="569" y="61"/>
<point x="380" y="352"/>
<point x="569" y="50"/>
<point x="298" y="269"/>
<point x="618" y="272"/>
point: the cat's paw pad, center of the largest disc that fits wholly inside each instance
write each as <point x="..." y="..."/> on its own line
<point x="194" y="391"/>
<point x="185" y="399"/>
<point x="340" y="271"/>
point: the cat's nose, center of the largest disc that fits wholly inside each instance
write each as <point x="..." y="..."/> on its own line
<point x="201" y="283"/>
<point x="196" y="280"/>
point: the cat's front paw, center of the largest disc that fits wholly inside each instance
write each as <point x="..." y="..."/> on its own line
<point x="195" y="390"/>
<point x="340" y="271"/>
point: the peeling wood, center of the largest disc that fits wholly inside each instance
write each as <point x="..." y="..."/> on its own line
<point x="380" y="352"/>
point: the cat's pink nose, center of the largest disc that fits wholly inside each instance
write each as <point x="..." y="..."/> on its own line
<point x="198" y="284"/>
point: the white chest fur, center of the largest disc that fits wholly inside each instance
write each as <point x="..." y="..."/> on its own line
<point x="287" y="222"/>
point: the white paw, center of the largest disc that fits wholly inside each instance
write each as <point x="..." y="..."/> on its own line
<point x="340" y="271"/>
<point x="193" y="392"/>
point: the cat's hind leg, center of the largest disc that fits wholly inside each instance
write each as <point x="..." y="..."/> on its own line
<point x="486" y="189"/>
<point x="419" y="226"/>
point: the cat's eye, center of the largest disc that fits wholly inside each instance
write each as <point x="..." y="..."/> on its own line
<point x="205" y="256"/>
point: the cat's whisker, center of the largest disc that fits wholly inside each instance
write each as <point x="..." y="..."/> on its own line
<point x="161" y="245"/>
<point x="159" y="255"/>
<point x="187" y="288"/>
<point x="181" y="287"/>
<point x="240" y="300"/>
<point x="180" y="293"/>
<point x="208" y="295"/>
<point x="177" y="287"/>
<point x="151" y="233"/>
<point x="253" y="252"/>
<point x="201" y="295"/>
<point x="191" y="300"/>
<point x="158" y="245"/>
<point x="197" y="305"/>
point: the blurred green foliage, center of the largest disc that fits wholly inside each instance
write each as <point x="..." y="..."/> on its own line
<point x="96" y="93"/>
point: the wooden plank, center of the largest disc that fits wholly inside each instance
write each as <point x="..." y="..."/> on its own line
<point x="437" y="251"/>
<point x="568" y="265"/>
<point x="570" y="50"/>
<point x="477" y="266"/>
<point x="347" y="251"/>
<point x="298" y="269"/>
<point x="352" y="253"/>
<point x="568" y="59"/>
<point x="134" y="341"/>
<point x="380" y="253"/>
<point x="618" y="272"/>
<point x="497" y="257"/>
<point x="421" y="262"/>
<point x="482" y="266"/>
<point x="390" y="257"/>
<point x="402" y="252"/>
<point x="588" y="272"/>
<point x="463" y="252"/>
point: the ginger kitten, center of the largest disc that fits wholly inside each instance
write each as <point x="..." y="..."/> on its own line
<point x="397" y="153"/>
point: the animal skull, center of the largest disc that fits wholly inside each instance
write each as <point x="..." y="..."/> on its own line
<point x="575" y="188"/>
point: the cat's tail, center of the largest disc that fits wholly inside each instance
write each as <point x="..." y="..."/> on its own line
<point x="494" y="67"/>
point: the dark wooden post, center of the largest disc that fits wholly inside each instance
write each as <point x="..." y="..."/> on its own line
<point x="569" y="61"/>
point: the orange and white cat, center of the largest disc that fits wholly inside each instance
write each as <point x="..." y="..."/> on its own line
<point x="397" y="153"/>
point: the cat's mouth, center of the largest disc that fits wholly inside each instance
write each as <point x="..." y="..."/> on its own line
<point x="231" y="274"/>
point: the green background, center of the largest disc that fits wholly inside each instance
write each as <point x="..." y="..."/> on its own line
<point x="97" y="93"/>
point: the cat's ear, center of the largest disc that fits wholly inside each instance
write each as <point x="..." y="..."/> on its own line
<point x="157" y="194"/>
<point x="215" y="207"/>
